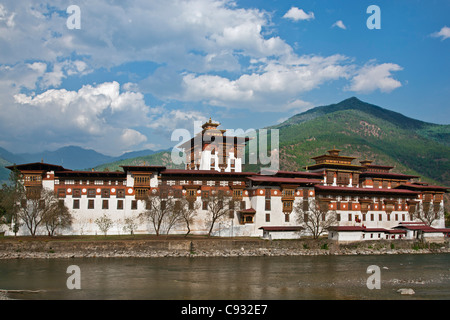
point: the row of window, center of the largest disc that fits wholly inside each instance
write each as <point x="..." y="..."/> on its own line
<point x="217" y="183"/>
<point x="91" y="193"/>
<point x="90" y="182"/>
<point x="105" y="204"/>
<point x="372" y="217"/>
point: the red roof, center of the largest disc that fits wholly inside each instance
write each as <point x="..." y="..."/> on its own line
<point x="420" y="226"/>
<point x="346" y="228"/>
<point x="283" y="180"/>
<point x="41" y="166"/>
<point x="421" y="187"/>
<point x="364" y="229"/>
<point x="206" y="172"/>
<point x="387" y="174"/>
<point x="143" y="168"/>
<point x="282" y="228"/>
<point x="365" y="190"/>
<point x="79" y="173"/>
<point x="251" y="210"/>
<point x="292" y="174"/>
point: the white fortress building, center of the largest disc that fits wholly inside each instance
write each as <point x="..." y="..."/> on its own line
<point x="367" y="201"/>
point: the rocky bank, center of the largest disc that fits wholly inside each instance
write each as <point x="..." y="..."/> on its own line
<point x="207" y="248"/>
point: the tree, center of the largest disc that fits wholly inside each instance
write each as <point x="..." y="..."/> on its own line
<point x="56" y="215"/>
<point x="315" y="216"/>
<point x="130" y="225"/>
<point x="11" y="198"/>
<point x="428" y="212"/>
<point x="35" y="208"/>
<point x="187" y="211"/>
<point x="159" y="211"/>
<point x="104" y="223"/>
<point x="217" y="207"/>
<point x="174" y="216"/>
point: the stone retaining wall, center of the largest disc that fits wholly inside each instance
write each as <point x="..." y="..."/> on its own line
<point x="207" y="247"/>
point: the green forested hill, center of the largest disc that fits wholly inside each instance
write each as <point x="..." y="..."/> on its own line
<point x="366" y="131"/>
<point x="357" y="128"/>
<point x="156" y="159"/>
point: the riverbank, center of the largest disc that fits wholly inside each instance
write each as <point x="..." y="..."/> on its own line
<point x="49" y="248"/>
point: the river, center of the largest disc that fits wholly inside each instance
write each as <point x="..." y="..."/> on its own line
<point x="230" y="278"/>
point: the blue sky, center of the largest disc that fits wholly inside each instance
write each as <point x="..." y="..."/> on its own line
<point x="135" y="71"/>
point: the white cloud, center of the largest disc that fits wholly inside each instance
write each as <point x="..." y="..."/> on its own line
<point x="21" y="75"/>
<point x="193" y="42"/>
<point x="276" y="83"/>
<point x="100" y="117"/>
<point x="375" y="77"/>
<point x="6" y="18"/>
<point x="168" y="121"/>
<point x="297" y="14"/>
<point x="444" y="33"/>
<point x="197" y="35"/>
<point x="339" y="24"/>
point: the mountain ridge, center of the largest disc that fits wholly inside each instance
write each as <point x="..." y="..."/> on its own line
<point x="70" y="157"/>
<point x="364" y="130"/>
<point x="358" y="128"/>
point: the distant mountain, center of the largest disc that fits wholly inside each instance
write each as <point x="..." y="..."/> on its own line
<point x="70" y="157"/>
<point x="135" y="154"/>
<point x="367" y="131"/>
<point x="359" y="129"/>
<point x="10" y="157"/>
<point x="162" y="158"/>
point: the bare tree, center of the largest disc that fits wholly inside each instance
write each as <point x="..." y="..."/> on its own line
<point x="56" y="215"/>
<point x="11" y="196"/>
<point x="33" y="209"/>
<point x="219" y="206"/>
<point x="104" y="223"/>
<point x="175" y="216"/>
<point x="187" y="211"/>
<point x="158" y="210"/>
<point x="428" y="212"/>
<point x="130" y="225"/>
<point x="315" y="216"/>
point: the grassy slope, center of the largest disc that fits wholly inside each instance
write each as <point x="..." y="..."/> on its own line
<point x="160" y="158"/>
<point x="367" y="132"/>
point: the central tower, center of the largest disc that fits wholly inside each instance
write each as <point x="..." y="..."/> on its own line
<point x="212" y="149"/>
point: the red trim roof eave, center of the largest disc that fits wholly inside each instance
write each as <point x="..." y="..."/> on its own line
<point x="143" y="168"/>
<point x="423" y="228"/>
<point x="296" y="173"/>
<point x="443" y="230"/>
<point x="283" y="180"/>
<point x="281" y="228"/>
<point x="387" y="174"/>
<point x="363" y="229"/>
<point x="366" y="190"/>
<point x="39" y="166"/>
<point x="422" y="187"/>
<point x="206" y="172"/>
<point x="346" y="228"/>
<point x="378" y="166"/>
<point x="70" y="173"/>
